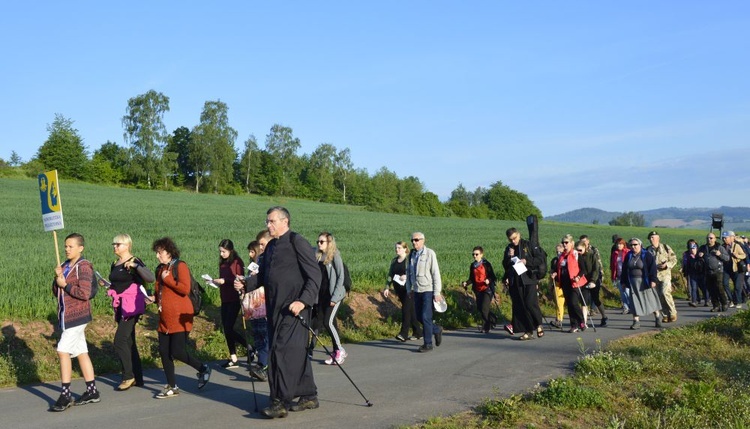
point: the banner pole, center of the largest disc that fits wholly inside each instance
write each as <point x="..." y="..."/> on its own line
<point x="57" y="249"/>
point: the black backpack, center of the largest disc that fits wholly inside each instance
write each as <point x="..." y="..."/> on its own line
<point x="196" y="290"/>
<point x="540" y="270"/>
<point x="347" y="280"/>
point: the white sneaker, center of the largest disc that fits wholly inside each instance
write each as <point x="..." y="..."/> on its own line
<point x="168" y="392"/>
<point x="341" y="356"/>
<point x="738" y="306"/>
<point x="331" y="359"/>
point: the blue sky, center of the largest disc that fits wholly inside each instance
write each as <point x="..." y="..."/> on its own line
<point x="615" y="105"/>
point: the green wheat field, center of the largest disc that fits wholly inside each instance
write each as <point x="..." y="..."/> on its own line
<point x="197" y="222"/>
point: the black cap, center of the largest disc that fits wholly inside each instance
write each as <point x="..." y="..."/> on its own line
<point x="652" y="233"/>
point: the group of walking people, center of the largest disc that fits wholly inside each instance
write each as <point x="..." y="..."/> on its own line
<point x="301" y="288"/>
<point x="293" y="287"/>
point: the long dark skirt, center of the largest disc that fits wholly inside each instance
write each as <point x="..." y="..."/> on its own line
<point x="527" y="315"/>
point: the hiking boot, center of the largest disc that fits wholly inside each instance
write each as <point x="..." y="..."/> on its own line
<point x="276" y="410"/>
<point x="414" y="338"/>
<point x="168" y="392"/>
<point x="625" y="310"/>
<point x="250" y="355"/>
<point x="658" y="323"/>
<point x="573" y="329"/>
<point x="424" y="348"/>
<point x="665" y="319"/>
<point x="672" y="318"/>
<point x="731" y="305"/>
<point x="604" y="322"/>
<point x="62" y="404"/>
<point x="693" y="304"/>
<point x="230" y="364"/>
<point x="203" y="376"/>
<point x="508" y="328"/>
<point x="635" y="325"/>
<point x="259" y="372"/>
<point x="88" y="398"/>
<point x="556" y="324"/>
<point x="438" y="336"/>
<point x="126" y="384"/>
<point x="305" y="403"/>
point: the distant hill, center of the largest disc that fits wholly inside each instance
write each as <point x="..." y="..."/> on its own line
<point x="735" y="218"/>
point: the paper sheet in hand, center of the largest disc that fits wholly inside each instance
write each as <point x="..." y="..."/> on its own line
<point x="102" y="280"/>
<point x="398" y="280"/>
<point x="209" y="280"/>
<point x="519" y="267"/>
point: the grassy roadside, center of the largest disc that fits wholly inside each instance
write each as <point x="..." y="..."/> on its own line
<point x="695" y="376"/>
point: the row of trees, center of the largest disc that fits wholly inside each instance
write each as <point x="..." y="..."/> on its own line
<point x="205" y="159"/>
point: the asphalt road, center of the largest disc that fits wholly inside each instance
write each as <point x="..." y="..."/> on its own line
<point x="404" y="386"/>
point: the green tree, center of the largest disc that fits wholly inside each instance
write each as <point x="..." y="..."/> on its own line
<point x="15" y="159"/>
<point x="318" y="173"/>
<point x="178" y="144"/>
<point x="409" y="189"/>
<point x="250" y="161"/>
<point x="343" y="166"/>
<point x="629" y="219"/>
<point x="215" y="139"/>
<point x="385" y="191"/>
<point x="63" y="150"/>
<point x="282" y="146"/>
<point x="147" y="136"/>
<point x="117" y="158"/>
<point x="508" y="204"/>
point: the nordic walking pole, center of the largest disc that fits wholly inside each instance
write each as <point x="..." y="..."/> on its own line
<point x="584" y="304"/>
<point x="304" y="323"/>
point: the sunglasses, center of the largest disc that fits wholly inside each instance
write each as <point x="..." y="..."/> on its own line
<point x="475" y="254"/>
<point x="322" y="241"/>
<point x="634" y="244"/>
<point x="564" y="242"/>
<point x="117" y="244"/>
<point x="581" y="250"/>
<point x="416" y="239"/>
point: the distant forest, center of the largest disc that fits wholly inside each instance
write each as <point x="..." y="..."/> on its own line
<point x="204" y="159"/>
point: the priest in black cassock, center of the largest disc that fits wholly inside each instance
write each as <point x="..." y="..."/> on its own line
<point x="291" y="277"/>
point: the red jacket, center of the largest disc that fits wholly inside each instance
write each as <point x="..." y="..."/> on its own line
<point x="73" y="307"/>
<point x="573" y="268"/>
<point x="613" y="260"/>
<point x="176" y="314"/>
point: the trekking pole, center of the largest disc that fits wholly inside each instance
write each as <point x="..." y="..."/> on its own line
<point x="584" y="304"/>
<point x="255" y="397"/>
<point x="304" y="323"/>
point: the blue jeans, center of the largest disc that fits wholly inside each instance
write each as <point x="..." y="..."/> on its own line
<point x="624" y="294"/>
<point x="423" y="307"/>
<point x="739" y="284"/>
<point x="260" y="339"/>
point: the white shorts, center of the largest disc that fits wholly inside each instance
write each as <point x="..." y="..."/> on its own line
<point x="73" y="341"/>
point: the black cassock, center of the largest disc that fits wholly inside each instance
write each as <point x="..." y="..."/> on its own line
<point x="289" y="273"/>
<point x="527" y="315"/>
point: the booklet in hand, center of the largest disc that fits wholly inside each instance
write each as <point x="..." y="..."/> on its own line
<point x="209" y="280"/>
<point x="102" y="281"/>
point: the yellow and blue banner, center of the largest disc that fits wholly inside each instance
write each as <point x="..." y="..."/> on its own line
<point x="49" y="192"/>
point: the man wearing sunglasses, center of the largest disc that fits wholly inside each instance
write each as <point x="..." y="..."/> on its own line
<point x="423" y="282"/>
<point x="715" y="255"/>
